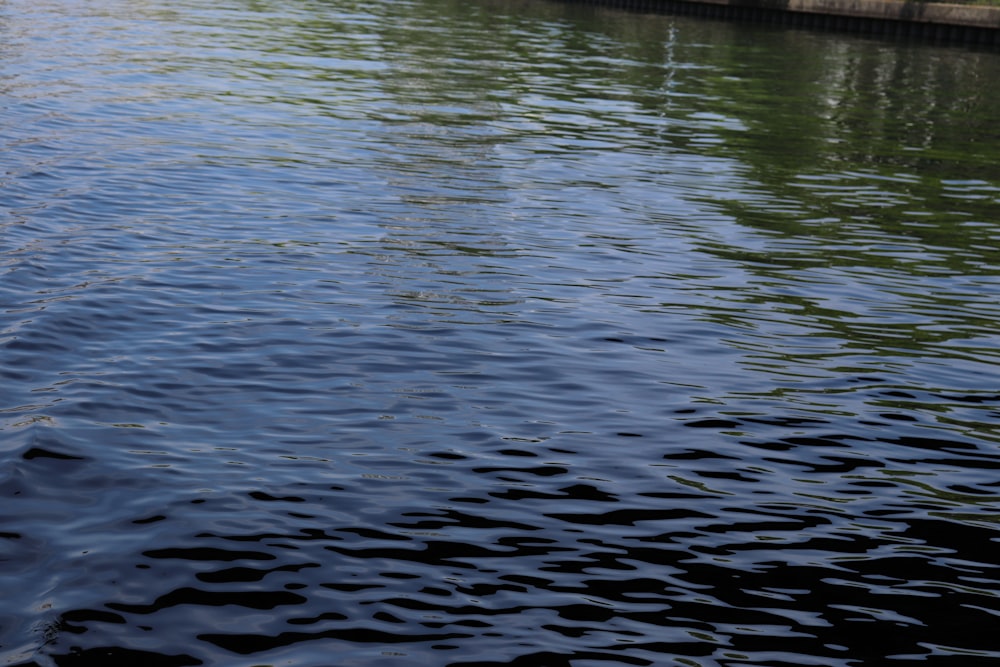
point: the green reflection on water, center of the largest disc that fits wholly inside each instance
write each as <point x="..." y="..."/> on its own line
<point x="844" y="192"/>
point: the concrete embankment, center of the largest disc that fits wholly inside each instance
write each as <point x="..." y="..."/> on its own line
<point x="968" y="23"/>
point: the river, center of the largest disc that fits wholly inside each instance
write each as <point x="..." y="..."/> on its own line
<point x="440" y="332"/>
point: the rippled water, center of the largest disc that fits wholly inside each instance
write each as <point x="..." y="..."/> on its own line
<point x="478" y="333"/>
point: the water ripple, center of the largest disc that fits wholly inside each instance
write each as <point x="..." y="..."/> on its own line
<point x="492" y="334"/>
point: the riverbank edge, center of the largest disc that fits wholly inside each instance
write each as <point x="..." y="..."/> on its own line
<point x="974" y="16"/>
<point x="978" y="24"/>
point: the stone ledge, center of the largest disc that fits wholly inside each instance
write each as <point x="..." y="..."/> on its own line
<point x="934" y="20"/>
<point x="976" y="16"/>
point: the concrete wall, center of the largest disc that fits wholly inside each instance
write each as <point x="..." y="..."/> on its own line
<point x="942" y="21"/>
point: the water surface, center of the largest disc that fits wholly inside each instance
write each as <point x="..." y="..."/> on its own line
<point x="467" y="333"/>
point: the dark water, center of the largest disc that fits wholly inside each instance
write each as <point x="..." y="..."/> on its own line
<point x="478" y="333"/>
